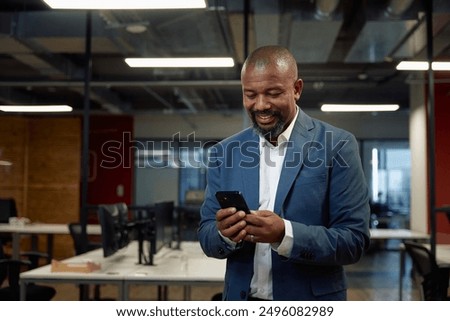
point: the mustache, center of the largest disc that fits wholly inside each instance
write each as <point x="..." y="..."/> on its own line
<point x="267" y="112"/>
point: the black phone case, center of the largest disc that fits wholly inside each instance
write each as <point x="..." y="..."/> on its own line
<point x="232" y="199"/>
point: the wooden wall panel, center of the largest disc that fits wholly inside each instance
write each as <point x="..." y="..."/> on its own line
<point x="54" y="171"/>
<point x="54" y="152"/>
<point x="46" y="171"/>
<point x="13" y="144"/>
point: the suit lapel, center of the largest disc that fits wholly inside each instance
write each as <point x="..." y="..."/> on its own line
<point x="301" y="137"/>
<point x="250" y="169"/>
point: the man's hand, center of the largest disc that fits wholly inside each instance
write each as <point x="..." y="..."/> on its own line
<point x="264" y="227"/>
<point x="231" y="224"/>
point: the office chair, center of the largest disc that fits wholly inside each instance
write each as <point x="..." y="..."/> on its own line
<point x="7" y="209"/>
<point x="82" y="245"/>
<point x="10" y="271"/>
<point x="123" y="212"/>
<point x="433" y="280"/>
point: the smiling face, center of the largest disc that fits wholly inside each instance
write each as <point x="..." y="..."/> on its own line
<point x="270" y="90"/>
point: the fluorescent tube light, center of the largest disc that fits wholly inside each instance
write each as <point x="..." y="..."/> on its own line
<point x="36" y="109"/>
<point x="423" y="65"/>
<point x="358" y="108"/>
<point x="412" y="65"/>
<point x="125" y="4"/>
<point x="179" y="62"/>
<point x="441" y="65"/>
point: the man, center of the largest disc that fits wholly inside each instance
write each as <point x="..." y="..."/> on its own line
<point x="303" y="181"/>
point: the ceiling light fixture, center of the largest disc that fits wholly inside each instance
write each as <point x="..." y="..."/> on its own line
<point x="36" y="109"/>
<point x="423" y="65"/>
<point x="136" y="28"/>
<point x="441" y="65"/>
<point x="179" y="62"/>
<point x="359" y="107"/>
<point x="125" y="4"/>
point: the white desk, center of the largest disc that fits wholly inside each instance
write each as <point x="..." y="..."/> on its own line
<point x="442" y="255"/>
<point x="398" y="234"/>
<point x="112" y="271"/>
<point x="36" y="229"/>
<point x="187" y="266"/>
<point x="401" y="235"/>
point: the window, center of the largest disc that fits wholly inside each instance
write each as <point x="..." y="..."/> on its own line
<point x="387" y="167"/>
<point x="165" y="168"/>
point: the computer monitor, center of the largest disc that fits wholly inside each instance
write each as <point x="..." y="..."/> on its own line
<point x="114" y="230"/>
<point x="154" y="229"/>
<point x="7" y="209"/>
<point x="163" y="225"/>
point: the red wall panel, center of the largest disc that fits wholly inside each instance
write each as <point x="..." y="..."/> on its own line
<point x="111" y="160"/>
<point x="442" y="154"/>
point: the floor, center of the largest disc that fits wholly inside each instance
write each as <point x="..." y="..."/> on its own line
<point x="375" y="277"/>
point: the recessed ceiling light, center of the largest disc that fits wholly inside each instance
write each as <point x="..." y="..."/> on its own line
<point x="359" y="107"/>
<point x="179" y="62"/>
<point x="136" y="28"/>
<point x="125" y="4"/>
<point x="36" y="108"/>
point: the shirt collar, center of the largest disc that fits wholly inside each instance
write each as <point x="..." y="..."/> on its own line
<point x="284" y="136"/>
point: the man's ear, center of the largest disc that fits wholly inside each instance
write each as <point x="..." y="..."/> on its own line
<point x="298" y="88"/>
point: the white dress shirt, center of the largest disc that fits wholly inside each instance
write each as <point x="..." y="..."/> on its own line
<point x="270" y="166"/>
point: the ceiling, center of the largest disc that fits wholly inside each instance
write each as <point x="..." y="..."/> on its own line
<point x="347" y="51"/>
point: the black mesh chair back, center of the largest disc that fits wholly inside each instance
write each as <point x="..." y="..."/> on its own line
<point x="10" y="271"/>
<point x="81" y="242"/>
<point x="7" y="209"/>
<point x="123" y="212"/>
<point x="434" y="280"/>
<point x="82" y="245"/>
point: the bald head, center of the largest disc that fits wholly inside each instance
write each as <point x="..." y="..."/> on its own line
<point x="270" y="90"/>
<point x="273" y="57"/>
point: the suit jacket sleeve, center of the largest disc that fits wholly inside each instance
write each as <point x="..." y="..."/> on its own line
<point x="328" y="205"/>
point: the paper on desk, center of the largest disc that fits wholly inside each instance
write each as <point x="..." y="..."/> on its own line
<point x="81" y="267"/>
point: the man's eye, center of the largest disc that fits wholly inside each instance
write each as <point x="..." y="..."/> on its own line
<point x="274" y="94"/>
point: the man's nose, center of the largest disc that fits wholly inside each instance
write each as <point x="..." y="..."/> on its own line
<point x="261" y="103"/>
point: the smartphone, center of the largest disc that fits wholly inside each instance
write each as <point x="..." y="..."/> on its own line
<point x="232" y="199"/>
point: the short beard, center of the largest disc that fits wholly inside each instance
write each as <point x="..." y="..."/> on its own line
<point x="272" y="133"/>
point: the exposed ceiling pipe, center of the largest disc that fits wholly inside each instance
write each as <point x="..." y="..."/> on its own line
<point x="325" y="8"/>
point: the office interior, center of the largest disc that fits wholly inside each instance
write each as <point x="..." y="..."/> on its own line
<point x="140" y="136"/>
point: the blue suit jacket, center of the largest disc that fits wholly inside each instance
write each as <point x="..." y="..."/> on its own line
<point x="322" y="191"/>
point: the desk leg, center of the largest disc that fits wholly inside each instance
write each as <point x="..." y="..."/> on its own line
<point x="123" y="289"/>
<point x="402" y="273"/>
<point x="163" y="293"/>
<point x="187" y="293"/>
<point x="178" y="221"/>
<point x="50" y="248"/>
<point x="23" y="291"/>
<point x="15" y="246"/>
